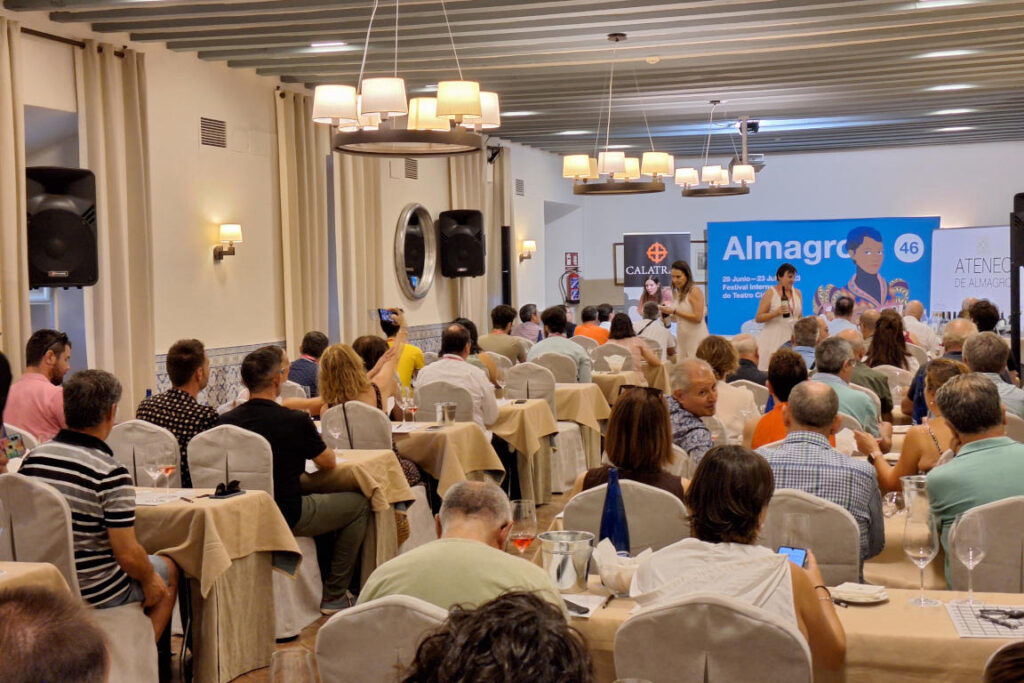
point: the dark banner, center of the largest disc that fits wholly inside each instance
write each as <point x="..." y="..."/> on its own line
<point x="648" y="259"/>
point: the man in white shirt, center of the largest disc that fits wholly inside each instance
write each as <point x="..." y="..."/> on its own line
<point x="652" y="328"/>
<point x="452" y="367"/>
<point x="912" y="314"/>
<point x="555" y="341"/>
<point x="843" y="319"/>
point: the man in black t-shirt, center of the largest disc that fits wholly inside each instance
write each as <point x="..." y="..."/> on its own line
<point x="294" y="440"/>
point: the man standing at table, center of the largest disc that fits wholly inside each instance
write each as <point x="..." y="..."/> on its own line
<point x="177" y="410"/>
<point x="294" y="440"/>
<point x="693" y="396"/>
<point x="500" y="340"/>
<point x="305" y="368"/>
<point x="555" y="341"/>
<point x="112" y="568"/>
<point x="35" y="402"/>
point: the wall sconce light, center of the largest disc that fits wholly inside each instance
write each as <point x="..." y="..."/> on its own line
<point x="229" y="234"/>
<point x="528" y="250"/>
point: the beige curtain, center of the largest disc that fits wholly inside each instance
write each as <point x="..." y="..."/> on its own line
<point x="467" y="176"/>
<point x="361" y="256"/>
<point x="302" y="149"/>
<point x="499" y="213"/>
<point x="15" y="321"/>
<point x="114" y="146"/>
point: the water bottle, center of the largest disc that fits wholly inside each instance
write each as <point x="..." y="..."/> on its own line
<point x="613" y="519"/>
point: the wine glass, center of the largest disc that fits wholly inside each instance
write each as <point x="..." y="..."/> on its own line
<point x="409" y="402"/>
<point x="500" y="382"/>
<point x="524" y="524"/>
<point x="159" y="463"/>
<point x="292" y="665"/>
<point x="892" y="502"/>
<point x="969" y="545"/>
<point x="921" y="544"/>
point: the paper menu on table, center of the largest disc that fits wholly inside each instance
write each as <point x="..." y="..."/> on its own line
<point x="400" y="428"/>
<point x="149" y="497"/>
<point x="969" y="624"/>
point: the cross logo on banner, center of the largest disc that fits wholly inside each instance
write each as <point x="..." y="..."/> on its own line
<point x="657" y="252"/>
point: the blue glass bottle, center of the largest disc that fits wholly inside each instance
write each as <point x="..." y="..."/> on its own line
<point x="613" y="519"/>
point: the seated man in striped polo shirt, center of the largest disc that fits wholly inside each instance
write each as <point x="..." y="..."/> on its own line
<point x="113" y="569"/>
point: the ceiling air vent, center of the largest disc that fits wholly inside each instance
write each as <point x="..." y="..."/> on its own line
<point x="520" y="187"/>
<point x="412" y="169"/>
<point x="213" y="133"/>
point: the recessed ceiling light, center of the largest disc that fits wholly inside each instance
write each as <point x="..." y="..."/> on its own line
<point x="574" y="132"/>
<point x="653" y="60"/>
<point x="619" y="146"/>
<point x="933" y="4"/>
<point x="431" y="88"/>
<point x="951" y="86"/>
<point x="945" y="53"/>
<point x="519" y="113"/>
<point x="330" y="46"/>
<point x="954" y="129"/>
<point x="950" y="112"/>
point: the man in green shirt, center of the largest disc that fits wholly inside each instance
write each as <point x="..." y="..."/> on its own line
<point x="868" y="377"/>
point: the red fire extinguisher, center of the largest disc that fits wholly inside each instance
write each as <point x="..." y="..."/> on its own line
<point x="570" y="286"/>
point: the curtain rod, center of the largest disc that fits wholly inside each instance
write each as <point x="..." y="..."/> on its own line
<point x="60" y="39"/>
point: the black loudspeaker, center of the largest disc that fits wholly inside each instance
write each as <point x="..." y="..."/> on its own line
<point x="462" y="243"/>
<point x="506" y="265"/>
<point x="61" y="227"/>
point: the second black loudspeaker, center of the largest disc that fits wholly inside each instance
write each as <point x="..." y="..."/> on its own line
<point x="462" y="243"/>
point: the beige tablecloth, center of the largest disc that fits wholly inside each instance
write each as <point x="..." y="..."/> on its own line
<point x="609" y="382"/>
<point x="893" y="569"/>
<point x="451" y="454"/>
<point x="526" y="427"/>
<point x="658" y="378"/>
<point x="584" y="404"/>
<point x="38" y="574"/>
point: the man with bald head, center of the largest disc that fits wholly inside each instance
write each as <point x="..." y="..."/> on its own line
<point x="746" y="349"/>
<point x="926" y="337"/>
<point x="956" y="334"/>
<point x="693" y="396"/>
<point x="867" y="321"/>
<point x="452" y="367"/>
<point x="806" y="461"/>
<point x="867" y="377"/>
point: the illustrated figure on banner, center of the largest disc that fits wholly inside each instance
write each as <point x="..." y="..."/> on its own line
<point x="688" y="310"/>
<point x="868" y="288"/>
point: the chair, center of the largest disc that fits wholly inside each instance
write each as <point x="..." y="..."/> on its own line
<point x="599" y="356"/>
<point x="684" y="466"/>
<point x="705" y="637"/>
<point x="356" y="425"/>
<point x="835" y="534"/>
<point x="561" y="366"/>
<point x="587" y="343"/>
<point x="503" y="362"/>
<point x="655" y="346"/>
<point x="228" y="452"/>
<point x="919" y="354"/>
<point x="656" y="518"/>
<point x="429" y="357"/>
<point x="1014" y="427"/>
<point x="134" y="440"/>
<point x="760" y="392"/>
<point x="429" y="395"/>
<point x="1001" y="569"/>
<point x="290" y="389"/>
<point x="375" y="641"/>
<point x="872" y="395"/>
<point x="897" y="377"/>
<point x="27" y="438"/>
<point x="718" y="433"/>
<point x="526" y="344"/>
<point x="850" y="422"/>
<point x="421" y="521"/>
<point x="40" y="531"/>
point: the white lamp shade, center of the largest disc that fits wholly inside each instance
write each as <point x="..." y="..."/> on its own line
<point x="723" y="177"/>
<point x="671" y="164"/>
<point x="611" y="162"/>
<point x="743" y="173"/>
<point x="687" y="176"/>
<point x="334" y="104"/>
<point x="385" y="96"/>
<point x="593" y="175"/>
<point x="632" y="171"/>
<point x="529" y="246"/>
<point x="230" y="232"/>
<point x="575" y="166"/>
<point x="655" y="164"/>
<point x="423" y="115"/>
<point x="490" y="112"/>
<point x="458" y="98"/>
<point x="711" y="174"/>
<point x="366" y="121"/>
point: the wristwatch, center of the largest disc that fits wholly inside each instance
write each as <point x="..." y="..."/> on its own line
<point x="871" y="457"/>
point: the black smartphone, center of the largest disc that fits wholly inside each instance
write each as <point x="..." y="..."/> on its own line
<point x="385" y="315"/>
<point x="519" y="401"/>
<point x="797" y="556"/>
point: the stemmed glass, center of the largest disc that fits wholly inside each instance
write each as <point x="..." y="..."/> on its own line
<point x="409" y="403"/>
<point x="524" y="524"/>
<point x="501" y="382"/>
<point x="969" y="545"/>
<point x="892" y="502"/>
<point x="921" y="544"/>
<point x="157" y="463"/>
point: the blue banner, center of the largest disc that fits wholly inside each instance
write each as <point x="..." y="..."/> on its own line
<point x="880" y="262"/>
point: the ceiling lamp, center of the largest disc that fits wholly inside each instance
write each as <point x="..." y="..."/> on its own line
<point x="376" y="118"/>
<point x="713" y="176"/>
<point x="624" y="175"/>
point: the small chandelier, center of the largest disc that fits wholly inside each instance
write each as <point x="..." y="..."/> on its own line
<point x="624" y="174"/>
<point x="374" y="118"/>
<point x="713" y="176"/>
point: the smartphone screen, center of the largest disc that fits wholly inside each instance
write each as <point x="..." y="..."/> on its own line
<point x="797" y="556"/>
<point x="385" y="315"/>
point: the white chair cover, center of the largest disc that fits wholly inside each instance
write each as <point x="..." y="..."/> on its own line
<point x="599" y="356"/>
<point x="133" y="440"/>
<point x="532" y="380"/>
<point x="1014" y="427"/>
<point x="357" y="425"/>
<point x="421" y="522"/>
<point x="850" y="422"/>
<point x="870" y="394"/>
<point x="897" y="377"/>
<point x="290" y="389"/>
<point x="704" y="637"/>
<point x="525" y="343"/>
<point x="429" y="395"/>
<point x="429" y="357"/>
<point x="375" y="641"/>
<point x="39" y="530"/>
<point x="717" y="429"/>
<point x="27" y="438"/>
<point x="656" y="518"/>
<point x="587" y="343"/>
<point x="503" y="362"/>
<point x="654" y="345"/>
<point x="684" y="466"/>
<point x="835" y="534"/>
<point x="760" y="392"/>
<point x="1002" y="568"/>
<point x="919" y="354"/>
<point x="561" y="366"/>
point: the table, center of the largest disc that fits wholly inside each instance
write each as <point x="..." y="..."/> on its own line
<point x="892" y="641"/>
<point x="893" y="569"/>
<point x="526" y="426"/>
<point x="658" y="377"/>
<point x="451" y="453"/>
<point x="586" y="405"/>
<point x="37" y="574"/>
<point x="609" y="382"/>
<point x="378" y="476"/>
<point x="225" y="549"/>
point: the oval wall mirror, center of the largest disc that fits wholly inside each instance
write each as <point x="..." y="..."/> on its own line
<point x="415" y="251"/>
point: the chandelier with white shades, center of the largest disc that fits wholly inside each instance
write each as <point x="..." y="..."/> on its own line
<point x="374" y="117"/>
<point x="713" y="180"/>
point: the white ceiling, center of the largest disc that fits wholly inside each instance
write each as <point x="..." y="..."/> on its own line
<point x="817" y="74"/>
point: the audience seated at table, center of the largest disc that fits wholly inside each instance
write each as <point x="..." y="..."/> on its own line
<point x="984" y="314"/>
<point x="639" y="443"/>
<point x="452" y="367"/>
<point x="343" y="376"/>
<point x="694" y="395"/>
<point x="529" y="327"/>
<point x="727" y="501"/>
<point x="113" y="569"/>
<point x="555" y="341"/>
<point x="926" y="337"/>
<point x="957" y="331"/>
<point x="303" y="370"/>
<point x="806" y="461"/>
<point x="785" y="370"/>
<point x="834" y="361"/>
<point x="604" y="315"/>
<point x="923" y="444"/>
<point x="589" y="326"/>
<point x="867" y="322"/>
<point x="35" y="401"/>
<point x="652" y="327"/>
<point x="749" y="358"/>
<point x="370" y="348"/>
<point x="735" y="405"/>
<point x="622" y="333"/>
<point x="476" y="357"/>
<point x="843" y="316"/>
<point x="867" y="377"/>
<point x="177" y="409"/>
<point x="515" y="638"/>
<point x="986" y="354"/>
<point x="294" y="440"/>
<point x="889" y="343"/>
<point x="500" y="339"/>
<point x="410" y="360"/>
<point x="467" y="565"/>
<point x="988" y="466"/>
<point x="806" y="335"/>
<point x="49" y="636"/>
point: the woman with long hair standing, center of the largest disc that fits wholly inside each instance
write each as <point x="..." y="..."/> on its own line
<point x="688" y="309"/>
<point x="778" y="311"/>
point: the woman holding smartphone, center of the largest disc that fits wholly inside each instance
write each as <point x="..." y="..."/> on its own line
<point x="687" y="310"/>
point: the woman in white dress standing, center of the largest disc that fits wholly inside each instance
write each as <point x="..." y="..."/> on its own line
<point x="688" y="310"/>
<point x="779" y="310"/>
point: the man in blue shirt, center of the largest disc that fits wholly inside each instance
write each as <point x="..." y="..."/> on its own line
<point x="694" y="395"/>
<point x="555" y="341"/>
<point x="834" y="360"/>
<point x="957" y="332"/>
<point x="805" y="337"/>
<point x="303" y="371"/>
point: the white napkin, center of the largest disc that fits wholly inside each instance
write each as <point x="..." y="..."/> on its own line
<point x="617" y="571"/>
<point x="854" y="592"/>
